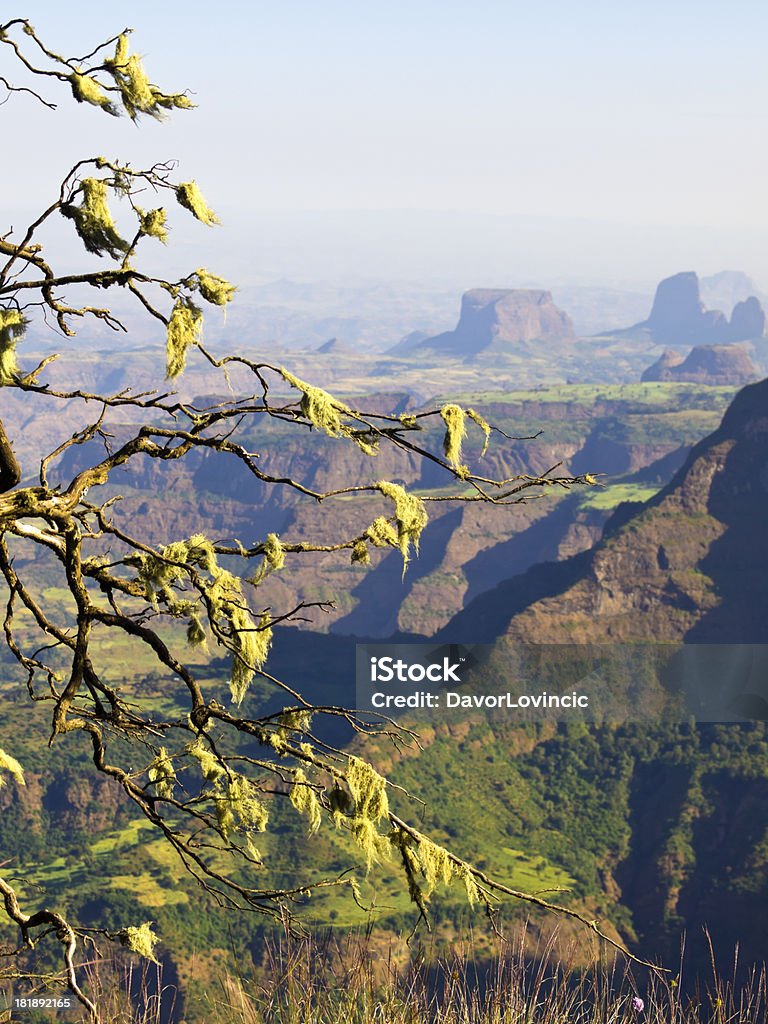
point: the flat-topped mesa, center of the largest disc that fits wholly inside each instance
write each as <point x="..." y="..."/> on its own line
<point x="705" y="364"/>
<point x="492" y="319"/>
<point x="678" y="316"/>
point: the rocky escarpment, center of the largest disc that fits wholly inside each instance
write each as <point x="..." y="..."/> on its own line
<point x="678" y="316"/>
<point x="705" y="364"/>
<point x="687" y="565"/>
<point x="491" y="320"/>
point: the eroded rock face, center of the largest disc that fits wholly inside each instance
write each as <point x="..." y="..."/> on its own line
<point x="747" y="320"/>
<point x="663" y="368"/>
<point x="705" y="364"/>
<point x="492" y="319"/>
<point x="678" y="316"/>
<point x="688" y="565"/>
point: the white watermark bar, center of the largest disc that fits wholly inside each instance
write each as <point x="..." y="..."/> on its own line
<point x="588" y="682"/>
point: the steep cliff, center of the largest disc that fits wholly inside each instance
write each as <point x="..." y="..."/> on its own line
<point x="690" y="564"/>
<point x="491" y="320"/>
<point x="678" y="316"/>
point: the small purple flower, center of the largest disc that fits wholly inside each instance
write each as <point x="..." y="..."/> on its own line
<point x="637" y="1004"/>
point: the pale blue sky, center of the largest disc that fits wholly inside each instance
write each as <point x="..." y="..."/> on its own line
<point x="636" y="115"/>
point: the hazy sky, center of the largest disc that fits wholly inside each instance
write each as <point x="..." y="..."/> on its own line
<point x="646" y="118"/>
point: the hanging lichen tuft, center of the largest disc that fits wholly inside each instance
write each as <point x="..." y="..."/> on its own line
<point x="141" y="940"/>
<point x="321" y="409"/>
<point x="484" y="426"/>
<point x="368" y="790"/>
<point x="304" y="799"/>
<point x="12" y="327"/>
<point x="184" y="328"/>
<point x="237" y="806"/>
<point x="86" y="89"/>
<point x="470" y="885"/>
<point x="381" y="533"/>
<point x="158" y="574"/>
<point x="455" y="432"/>
<point x="162" y="774"/>
<point x="435" y="865"/>
<point x="138" y="94"/>
<point x="274" y="558"/>
<point x="296" y="720"/>
<point x="410" y="517"/>
<point x="325" y="413"/>
<point x="152" y="223"/>
<point x="11" y="765"/>
<point x="210" y="766"/>
<point x="93" y="220"/>
<point x="251" y="644"/>
<point x="360" y="553"/>
<point x="190" y="197"/>
<point x="214" y="289"/>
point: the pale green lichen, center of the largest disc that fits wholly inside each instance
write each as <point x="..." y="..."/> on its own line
<point x="274" y="557"/>
<point x="360" y="552"/>
<point x="93" y="220"/>
<point x="152" y="223"/>
<point x="184" y="328"/>
<point x="210" y="766"/>
<point x="214" y="289"/>
<point x="326" y="413"/>
<point x="367" y="442"/>
<point x="275" y="738"/>
<point x="296" y="720"/>
<point x="237" y="805"/>
<point x="191" y="198"/>
<point x="86" y="89"/>
<point x="161" y="773"/>
<point x="252" y="644"/>
<point x="484" y="426"/>
<point x="253" y="851"/>
<point x="375" y="846"/>
<point x="470" y="885"/>
<point x="121" y="51"/>
<point x="12" y="327"/>
<point x="138" y="94"/>
<point x="11" y="765"/>
<point x="321" y="409"/>
<point x="410" y="517"/>
<point x="161" y="575"/>
<point x="304" y="799"/>
<point x="455" y="432"/>
<point x="141" y="940"/>
<point x="435" y="864"/>
<point x="368" y="790"/>
<point x="381" y="533"/>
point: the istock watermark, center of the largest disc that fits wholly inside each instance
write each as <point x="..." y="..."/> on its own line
<point x="590" y="682"/>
